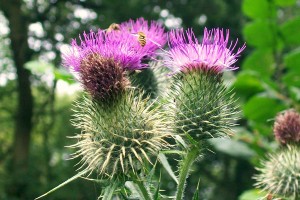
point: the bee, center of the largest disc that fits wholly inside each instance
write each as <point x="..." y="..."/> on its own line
<point x="113" y="27"/>
<point x="142" y="38"/>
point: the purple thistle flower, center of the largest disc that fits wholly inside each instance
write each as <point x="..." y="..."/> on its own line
<point x="155" y="36"/>
<point x="215" y="53"/>
<point x="287" y="127"/>
<point x="118" y="46"/>
<point x="101" y="60"/>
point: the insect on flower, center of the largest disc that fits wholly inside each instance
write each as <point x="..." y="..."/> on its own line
<point x="141" y="38"/>
<point x="113" y="27"/>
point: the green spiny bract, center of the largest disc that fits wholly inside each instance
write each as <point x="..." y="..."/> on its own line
<point x="119" y="140"/>
<point x="203" y="107"/>
<point x="153" y="80"/>
<point x="280" y="174"/>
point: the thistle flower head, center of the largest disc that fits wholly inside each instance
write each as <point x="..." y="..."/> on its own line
<point x="121" y="47"/>
<point x="155" y="36"/>
<point x="287" y="127"/>
<point x="215" y="52"/>
<point x="101" y="60"/>
<point x="103" y="78"/>
<point x="280" y="173"/>
<point x="120" y="140"/>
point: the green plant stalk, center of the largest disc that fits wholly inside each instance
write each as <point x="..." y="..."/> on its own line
<point x="188" y="161"/>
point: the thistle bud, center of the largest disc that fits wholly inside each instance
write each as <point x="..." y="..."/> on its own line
<point x="204" y="108"/>
<point x="120" y="140"/>
<point x="280" y="173"/>
<point x="287" y="127"/>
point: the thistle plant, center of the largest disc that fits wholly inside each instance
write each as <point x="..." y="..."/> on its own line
<point x="204" y="108"/>
<point x="122" y="131"/>
<point x="279" y="173"/>
<point x="201" y="106"/>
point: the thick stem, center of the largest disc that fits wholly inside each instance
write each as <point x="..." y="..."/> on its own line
<point x="184" y="170"/>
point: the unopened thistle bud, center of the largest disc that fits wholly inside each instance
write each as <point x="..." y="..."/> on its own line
<point x="287" y="127"/>
<point x="120" y="140"/>
<point x="154" y="81"/>
<point x="280" y="174"/>
<point x="203" y="106"/>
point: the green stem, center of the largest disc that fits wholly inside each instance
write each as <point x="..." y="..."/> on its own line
<point x="142" y="189"/>
<point x="184" y="170"/>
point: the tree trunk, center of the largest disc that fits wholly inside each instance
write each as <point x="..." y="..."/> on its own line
<point x="23" y="121"/>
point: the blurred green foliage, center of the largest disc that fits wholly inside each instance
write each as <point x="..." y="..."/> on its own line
<point x="268" y="82"/>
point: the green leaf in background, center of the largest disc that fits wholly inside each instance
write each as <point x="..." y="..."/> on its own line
<point x="258" y="9"/>
<point x="260" y="108"/>
<point x="38" y="67"/>
<point x="290" y="31"/>
<point x="233" y="148"/>
<point x="292" y="60"/>
<point x="295" y="93"/>
<point x="252" y="195"/>
<point x="61" y="74"/>
<point x="292" y="78"/>
<point x="261" y="61"/>
<point x="285" y="2"/>
<point x="260" y="33"/>
<point x="247" y="84"/>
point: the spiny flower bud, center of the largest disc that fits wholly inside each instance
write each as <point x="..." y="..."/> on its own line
<point x="102" y="77"/>
<point x="280" y="173"/>
<point x="122" y="139"/>
<point x="287" y="127"/>
<point x="203" y="107"/>
<point x="154" y="80"/>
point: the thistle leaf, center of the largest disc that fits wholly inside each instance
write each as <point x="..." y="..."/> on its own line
<point x="164" y="161"/>
<point x="82" y="173"/>
<point x="109" y="191"/>
<point x="197" y="192"/>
